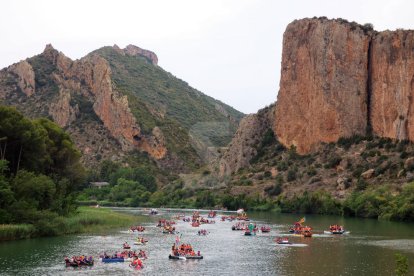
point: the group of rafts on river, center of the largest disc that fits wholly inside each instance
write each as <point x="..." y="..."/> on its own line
<point x="183" y="251"/>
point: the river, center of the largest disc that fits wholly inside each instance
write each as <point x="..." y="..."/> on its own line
<point x="368" y="250"/>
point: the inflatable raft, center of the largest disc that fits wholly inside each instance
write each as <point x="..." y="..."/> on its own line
<point x="189" y="257"/>
<point x="113" y="260"/>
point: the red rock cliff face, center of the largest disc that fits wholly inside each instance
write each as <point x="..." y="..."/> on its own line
<point x="392" y="84"/>
<point x="91" y="76"/>
<point x="323" y="83"/>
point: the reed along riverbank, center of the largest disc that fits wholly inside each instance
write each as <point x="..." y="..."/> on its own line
<point x="84" y="220"/>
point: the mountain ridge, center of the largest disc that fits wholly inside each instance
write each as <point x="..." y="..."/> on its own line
<point x="95" y="101"/>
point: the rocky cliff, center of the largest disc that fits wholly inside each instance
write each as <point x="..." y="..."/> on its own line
<point x="133" y="50"/>
<point x="243" y="146"/>
<point x="392" y="84"/>
<point x="323" y="83"/>
<point x="338" y="79"/>
<point x="115" y="102"/>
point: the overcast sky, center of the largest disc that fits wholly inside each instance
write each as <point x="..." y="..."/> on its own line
<point x="228" y="49"/>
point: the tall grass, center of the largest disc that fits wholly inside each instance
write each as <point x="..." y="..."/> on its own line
<point x="16" y="231"/>
<point x="86" y="219"/>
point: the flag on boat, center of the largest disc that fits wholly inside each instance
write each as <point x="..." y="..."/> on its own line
<point x="302" y="220"/>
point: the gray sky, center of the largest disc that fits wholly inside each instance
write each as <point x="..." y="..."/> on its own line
<point x="230" y="50"/>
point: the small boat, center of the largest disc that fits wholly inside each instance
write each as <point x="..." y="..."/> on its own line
<point x="265" y="229"/>
<point x="212" y="214"/>
<point x="336" y="232"/>
<point x="113" y="260"/>
<point x="282" y="241"/>
<point x="307" y="234"/>
<point x="187" y="257"/>
<point x="336" y="229"/>
<point x="127" y="247"/>
<point x="140" y="242"/>
<point x="78" y="264"/>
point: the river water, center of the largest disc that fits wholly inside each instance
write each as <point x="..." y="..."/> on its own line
<point x="368" y="250"/>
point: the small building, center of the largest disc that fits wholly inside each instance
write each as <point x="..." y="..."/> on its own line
<point x="98" y="184"/>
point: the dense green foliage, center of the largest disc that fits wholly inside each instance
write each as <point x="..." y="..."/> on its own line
<point x="382" y="203"/>
<point x="39" y="171"/>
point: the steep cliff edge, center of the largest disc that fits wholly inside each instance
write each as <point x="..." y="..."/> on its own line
<point x="323" y="93"/>
<point x="91" y="77"/>
<point x="392" y="84"/>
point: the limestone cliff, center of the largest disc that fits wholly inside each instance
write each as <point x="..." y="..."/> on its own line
<point x="323" y="83"/>
<point x="392" y="84"/>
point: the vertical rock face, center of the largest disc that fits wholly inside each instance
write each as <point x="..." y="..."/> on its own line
<point x="61" y="111"/>
<point x="26" y="76"/>
<point x="323" y="83"/>
<point x="91" y="77"/>
<point x="392" y="84"/>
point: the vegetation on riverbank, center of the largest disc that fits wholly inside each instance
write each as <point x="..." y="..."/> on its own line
<point x="83" y="220"/>
<point x="40" y="173"/>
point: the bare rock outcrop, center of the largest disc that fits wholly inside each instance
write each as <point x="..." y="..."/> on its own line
<point x="323" y="83"/>
<point x="243" y="145"/>
<point x="26" y="76"/>
<point x="132" y="50"/>
<point x="90" y="79"/>
<point x="392" y="84"/>
<point x="62" y="112"/>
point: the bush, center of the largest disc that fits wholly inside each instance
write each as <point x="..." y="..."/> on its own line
<point x="274" y="190"/>
<point x="319" y="202"/>
<point x="333" y="161"/>
<point x="361" y="184"/>
<point x="291" y="175"/>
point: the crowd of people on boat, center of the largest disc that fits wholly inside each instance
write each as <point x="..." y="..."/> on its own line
<point x="283" y="240"/>
<point x="79" y="260"/>
<point x="141" y="240"/>
<point x="137" y="263"/>
<point x="265" y="229"/>
<point x="212" y="214"/>
<point x="164" y="222"/>
<point x="202" y="232"/>
<point x="168" y="229"/>
<point x="125" y="254"/>
<point x="137" y="228"/>
<point x="336" y="228"/>
<point x="183" y="250"/>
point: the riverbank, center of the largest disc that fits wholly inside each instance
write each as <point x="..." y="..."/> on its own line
<point x="85" y="220"/>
